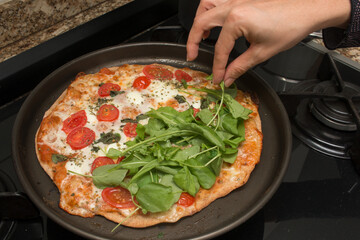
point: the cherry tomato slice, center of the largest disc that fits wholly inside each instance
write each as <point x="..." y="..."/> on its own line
<point x="106" y="71"/>
<point x="106" y="88"/>
<point x="107" y="113"/>
<point x="196" y="110"/>
<point x="186" y="200"/>
<point x="157" y="72"/>
<point x="101" y="161"/>
<point x="78" y="119"/>
<point x="130" y="129"/>
<point x="80" y="137"/>
<point x="120" y="159"/>
<point x="180" y="74"/>
<point x="117" y="197"/>
<point x="141" y="82"/>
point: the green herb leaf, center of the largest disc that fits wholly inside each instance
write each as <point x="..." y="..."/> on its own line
<point x="128" y="120"/>
<point x="114" y="93"/>
<point x="170" y="116"/>
<point x="229" y="158"/>
<point x="210" y="77"/>
<point x="205" y="115"/>
<point x="184" y="83"/>
<point x="108" y="176"/>
<point x="180" y="99"/>
<point x="108" y="138"/>
<point x="186" y="181"/>
<point x="204" y="175"/>
<point x="56" y="158"/>
<point x="204" y="131"/>
<point x="113" y="153"/>
<point x="141" y="117"/>
<point x="155" y="197"/>
<point x="146" y="168"/>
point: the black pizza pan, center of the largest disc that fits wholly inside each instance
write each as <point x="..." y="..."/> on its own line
<point x="220" y="216"/>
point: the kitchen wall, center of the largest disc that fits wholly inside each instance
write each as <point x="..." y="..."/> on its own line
<point x="26" y="23"/>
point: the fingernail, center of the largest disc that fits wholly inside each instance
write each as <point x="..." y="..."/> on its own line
<point x="228" y="81"/>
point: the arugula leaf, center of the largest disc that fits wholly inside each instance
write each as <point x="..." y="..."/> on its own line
<point x="204" y="175"/>
<point x="141" y="117"/>
<point x="113" y="153"/>
<point x="229" y="124"/>
<point x="210" y="77"/>
<point x="155" y="197"/>
<point x="185" y="153"/>
<point x="140" y="130"/>
<point x="236" y="109"/>
<point x="229" y="158"/>
<point x="168" y="180"/>
<point x="186" y="181"/>
<point x="170" y="116"/>
<point x="146" y="168"/>
<point x="205" y="116"/>
<point x="204" y="131"/>
<point x="108" y="176"/>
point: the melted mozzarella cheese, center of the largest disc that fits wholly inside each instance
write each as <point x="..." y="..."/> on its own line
<point x="155" y="95"/>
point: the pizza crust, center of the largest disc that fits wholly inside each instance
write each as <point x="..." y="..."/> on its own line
<point x="230" y="178"/>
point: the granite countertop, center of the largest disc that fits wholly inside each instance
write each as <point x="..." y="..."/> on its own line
<point x="25" y="24"/>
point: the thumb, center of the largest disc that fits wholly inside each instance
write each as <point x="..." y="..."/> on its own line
<point x="243" y="63"/>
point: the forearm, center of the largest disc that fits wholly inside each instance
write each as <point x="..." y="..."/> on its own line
<point x="345" y="36"/>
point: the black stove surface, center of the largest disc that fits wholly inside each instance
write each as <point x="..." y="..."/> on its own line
<point x="319" y="197"/>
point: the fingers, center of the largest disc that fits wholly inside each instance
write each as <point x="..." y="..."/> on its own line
<point x="250" y="58"/>
<point x="200" y="29"/>
<point x="223" y="47"/>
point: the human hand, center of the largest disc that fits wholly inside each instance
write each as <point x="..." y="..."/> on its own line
<point x="271" y="26"/>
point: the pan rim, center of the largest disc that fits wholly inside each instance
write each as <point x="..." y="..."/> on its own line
<point x="29" y="189"/>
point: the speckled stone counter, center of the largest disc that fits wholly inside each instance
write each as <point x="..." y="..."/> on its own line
<point x="27" y="23"/>
<point x="352" y="53"/>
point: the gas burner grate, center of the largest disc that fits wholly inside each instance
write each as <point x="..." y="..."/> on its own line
<point x="325" y="113"/>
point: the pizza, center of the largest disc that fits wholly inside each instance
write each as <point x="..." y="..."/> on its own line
<point x="147" y="144"/>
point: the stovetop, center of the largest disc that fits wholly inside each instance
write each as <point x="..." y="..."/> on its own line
<point x="319" y="197"/>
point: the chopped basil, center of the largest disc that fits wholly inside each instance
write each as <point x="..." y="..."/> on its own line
<point x="128" y="120"/>
<point x="56" y="158"/>
<point x="180" y="99"/>
<point x="114" y="93"/>
<point x="108" y="138"/>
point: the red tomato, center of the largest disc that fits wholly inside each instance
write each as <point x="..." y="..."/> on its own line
<point x="107" y="113"/>
<point x="80" y="137"/>
<point x="101" y="161"/>
<point x="186" y="199"/>
<point x="130" y="129"/>
<point x="117" y="197"/>
<point x="78" y="119"/>
<point x="157" y="72"/>
<point x="106" y="88"/>
<point x="106" y="71"/>
<point x="196" y="110"/>
<point x="180" y="74"/>
<point x="120" y="159"/>
<point x="141" y="82"/>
